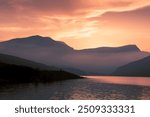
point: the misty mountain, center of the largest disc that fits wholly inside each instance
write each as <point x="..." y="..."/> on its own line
<point x="8" y="59"/>
<point x="137" y="68"/>
<point x="92" y="61"/>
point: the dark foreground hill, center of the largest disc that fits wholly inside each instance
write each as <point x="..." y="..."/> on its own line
<point x="137" y="68"/>
<point x="24" y="62"/>
<point x="10" y="73"/>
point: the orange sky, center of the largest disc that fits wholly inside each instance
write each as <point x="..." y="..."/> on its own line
<point x="80" y="23"/>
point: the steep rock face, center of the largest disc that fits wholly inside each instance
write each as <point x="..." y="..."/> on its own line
<point x="137" y="68"/>
<point x="96" y="61"/>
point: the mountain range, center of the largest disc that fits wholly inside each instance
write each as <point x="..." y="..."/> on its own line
<point x="93" y="61"/>
<point x="137" y="68"/>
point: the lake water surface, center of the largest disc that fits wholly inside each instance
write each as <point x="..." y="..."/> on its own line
<point x="91" y="88"/>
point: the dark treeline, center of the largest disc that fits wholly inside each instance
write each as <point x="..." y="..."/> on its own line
<point x="10" y="73"/>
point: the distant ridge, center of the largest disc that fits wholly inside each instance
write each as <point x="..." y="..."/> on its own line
<point x="126" y="48"/>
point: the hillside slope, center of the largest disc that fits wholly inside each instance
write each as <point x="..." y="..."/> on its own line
<point x="20" y="61"/>
<point x="137" y="68"/>
<point x="10" y="73"/>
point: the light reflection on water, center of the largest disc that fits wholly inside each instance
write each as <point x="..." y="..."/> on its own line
<point x="144" y="81"/>
<point x="90" y="88"/>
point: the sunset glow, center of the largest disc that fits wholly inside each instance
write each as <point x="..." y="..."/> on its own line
<point x="79" y="23"/>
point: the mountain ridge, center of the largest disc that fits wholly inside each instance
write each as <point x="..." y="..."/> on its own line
<point x="125" y="48"/>
<point x="37" y="39"/>
<point x="137" y="68"/>
<point x="103" y="60"/>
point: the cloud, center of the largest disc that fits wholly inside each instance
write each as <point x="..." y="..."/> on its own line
<point x="129" y="20"/>
<point x="57" y="7"/>
<point x="72" y="19"/>
<point x="125" y="27"/>
<point x="18" y="12"/>
<point x="39" y="13"/>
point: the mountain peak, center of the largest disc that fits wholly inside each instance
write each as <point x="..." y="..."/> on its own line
<point x="126" y="48"/>
<point x="35" y="41"/>
<point x="131" y="47"/>
<point x="35" y="36"/>
<point x="30" y="39"/>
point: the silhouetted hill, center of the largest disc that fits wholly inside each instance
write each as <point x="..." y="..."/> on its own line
<point x="10" y="73"/>
<point x="127" y="48"/>
<point x="34" y="42"/>
<point x="20" y="61"/>
<point x="45" y="50"/>
<point x="137" y="68"/>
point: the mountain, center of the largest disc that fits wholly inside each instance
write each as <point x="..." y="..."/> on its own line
<point x="36" y="48"/>
<point x="17" y="70"/>
<point x="10" y="73"/>
<point x="8" y="59"/>
<point x="127" y="48"/>
<point x="137" y="68"/>
<point x="36" y="41"/>
<point x="104" y="60"/>
<point x="45" y="50"/>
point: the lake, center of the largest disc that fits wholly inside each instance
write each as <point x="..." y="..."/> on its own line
<point x="90" y="88"/>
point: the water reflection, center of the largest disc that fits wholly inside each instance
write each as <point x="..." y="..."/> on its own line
<point x="90" y="88"/>
<point x="144" y="81"/>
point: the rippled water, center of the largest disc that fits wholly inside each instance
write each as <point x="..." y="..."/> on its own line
<point x="100" y="87"/>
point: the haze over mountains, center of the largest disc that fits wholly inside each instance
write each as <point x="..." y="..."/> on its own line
<point x="94" y="61"/>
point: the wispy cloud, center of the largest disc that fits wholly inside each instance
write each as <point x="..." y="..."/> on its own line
<point x="96" y="20"/>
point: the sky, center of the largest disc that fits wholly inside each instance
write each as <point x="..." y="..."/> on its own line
<point x="79" y="23"/>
